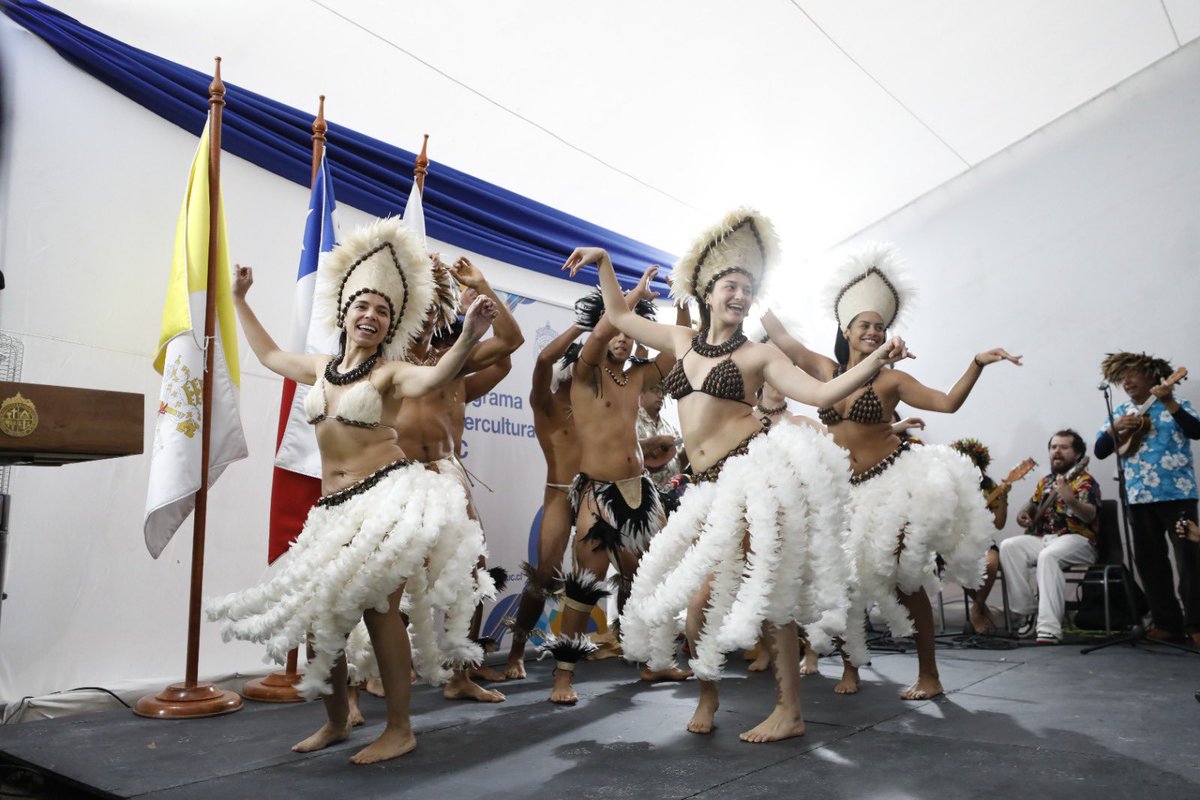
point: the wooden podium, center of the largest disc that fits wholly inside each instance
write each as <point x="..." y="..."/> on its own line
<point x="54" y="425"/>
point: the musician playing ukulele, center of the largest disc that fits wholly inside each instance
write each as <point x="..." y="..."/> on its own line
<point x="1059" y="521"/>
<point x="1160" y="479"/>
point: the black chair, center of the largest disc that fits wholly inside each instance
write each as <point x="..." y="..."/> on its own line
<point x="1109" y="569"/>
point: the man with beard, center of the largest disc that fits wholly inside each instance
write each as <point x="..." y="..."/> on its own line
<point x="430" y="427"/>
<point x="1059" y="522"/>
<point x="1160" y="479"/>
<point x="616" y="506"/>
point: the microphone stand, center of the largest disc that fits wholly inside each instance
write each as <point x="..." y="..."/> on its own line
<point x="1137" y="633"/>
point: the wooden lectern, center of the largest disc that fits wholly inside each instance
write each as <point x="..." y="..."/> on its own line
<point x="53" y="425"/>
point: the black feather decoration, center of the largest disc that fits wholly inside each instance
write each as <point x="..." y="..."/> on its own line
<point x="589" y="309"/>
<point x="568" y="649"/>
<point x="500" y="576"/>
<point x="583" y="587"/>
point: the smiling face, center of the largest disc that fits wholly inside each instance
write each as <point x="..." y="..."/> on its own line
<point x="866" y="333"/>
<point x="367" y="320"/>
<point x="730" y="299"/>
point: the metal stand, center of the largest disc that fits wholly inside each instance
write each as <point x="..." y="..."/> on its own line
<point x="1137" y="633"/>
<point x="5" y="503"/>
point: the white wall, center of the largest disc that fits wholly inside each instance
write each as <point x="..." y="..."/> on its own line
<point x="1078" y="241"/>
<point x="95" y="187"/>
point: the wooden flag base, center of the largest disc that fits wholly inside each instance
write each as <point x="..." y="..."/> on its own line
<point x="278" y="687"/>
<point x="180" y="701"/>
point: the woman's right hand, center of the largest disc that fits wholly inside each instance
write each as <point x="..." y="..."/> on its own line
<point x="891" y="351"/>
<point x="243" y="279"/>
<point x="581" y="257"/>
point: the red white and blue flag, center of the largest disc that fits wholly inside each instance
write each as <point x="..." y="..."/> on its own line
<point x="297" y="479"/>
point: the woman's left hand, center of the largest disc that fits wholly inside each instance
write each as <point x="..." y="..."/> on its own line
<point x="581" y="257"/>
<point x="997" y="354"/>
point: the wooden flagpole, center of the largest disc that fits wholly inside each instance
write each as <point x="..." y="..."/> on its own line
<point x="421" y="167"/>
<point x="192" y="698"/>
<point x="280" y="687"/>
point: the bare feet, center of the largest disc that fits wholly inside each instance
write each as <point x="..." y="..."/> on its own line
<point x="514" y="670"/>
<point x="808" y="664"/>
<point x="356" y="715"/>
<point x="762" y="663"/>
<point x="563" y="692"/>
<point x="461" y="687"/>
<point x="849" y="682"/>
<point x="486" y="673"/>
<point x="706" y="709"/>
<point x="326" y="735"/>
<point x="783" y="723"/>
<point x="671" y="674"/>
<point x="374" y="686"/>
<point x="923" y="689"/>
<point x="981" y="618"/>
<point x="393" y="742"/>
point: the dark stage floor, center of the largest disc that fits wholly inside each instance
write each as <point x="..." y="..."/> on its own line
<point x="1032" y="722"/>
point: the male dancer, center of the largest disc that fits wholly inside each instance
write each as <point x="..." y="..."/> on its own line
<point x="430" y="427"/>
<point x="617" y="508"/>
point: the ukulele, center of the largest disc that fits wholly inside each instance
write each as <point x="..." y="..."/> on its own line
<point x="1129" y="441"/>
<point x="1048" y="500"/>
<point x="1018" y="472"/>
<point x="658" y="460"/>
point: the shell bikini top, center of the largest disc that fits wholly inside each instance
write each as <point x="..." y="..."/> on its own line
<point x="360" y="406"/>
<point x="724" y="381"/>
<point x="865" y="410"/>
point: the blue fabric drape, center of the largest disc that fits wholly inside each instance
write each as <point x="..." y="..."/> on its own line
<point x="370" y="174"/>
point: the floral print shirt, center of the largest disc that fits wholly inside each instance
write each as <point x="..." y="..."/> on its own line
<point x="1059" y="519"/>
<point x="1162" y="468"/>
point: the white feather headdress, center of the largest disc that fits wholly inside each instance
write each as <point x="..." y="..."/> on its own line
<point x="383" y="257"/>
<point x="870" y="278"/>
<point x="744" y="239"/>
<point x="448" y="295"/>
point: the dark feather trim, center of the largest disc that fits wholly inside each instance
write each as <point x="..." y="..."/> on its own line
<point x="638" y="361"/>
<point x="637" y="525"/>
<point x="645" y="309"/>
<point x="589" y="309"/>
<point x="570" y="355"/>
<point x="500" y="577"/>
<point x="618" y="583"/>
<point x="488" y="644"/>
<point x="569" y="649"/>
<point x="583" y="587"/>
<point x="514" y="627"/>
<point x="1117" y="364"/>
<point x="669" y="500"/>
<point x="603" y="536"/>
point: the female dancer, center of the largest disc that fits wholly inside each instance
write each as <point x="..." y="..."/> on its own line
<point x="753" y="538"/>
<point x="908" y="504"/>
<point x="383" y="524"/>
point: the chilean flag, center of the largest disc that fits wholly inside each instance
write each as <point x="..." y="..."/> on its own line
<point x="297" y="479"/>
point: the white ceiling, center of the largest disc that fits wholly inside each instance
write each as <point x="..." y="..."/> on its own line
<point x="652" y="118"/>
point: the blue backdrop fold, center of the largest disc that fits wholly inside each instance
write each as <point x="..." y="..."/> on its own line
<point x="371" y="175"/>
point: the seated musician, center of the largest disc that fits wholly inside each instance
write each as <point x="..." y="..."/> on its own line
<point x="1160" y="480"/>
<point x="1059" y="522"/>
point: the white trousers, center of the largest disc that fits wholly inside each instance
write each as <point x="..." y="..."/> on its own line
<point x="1021" y="555"/>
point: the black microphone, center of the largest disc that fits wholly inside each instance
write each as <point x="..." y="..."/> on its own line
<point x="1103" y="386"/>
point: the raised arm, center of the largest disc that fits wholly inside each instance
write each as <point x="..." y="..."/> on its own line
<point x="413" y="381"/>
<point x="813" y="363"/>
<point x="480" y="383"/>
<point x="918" y="395"/>
<point x="663" y="338"/>
<point x="543" y="365"/>
<point x="803" y="388"/>
<point x="506" y="334"/>
<point x="597" y="342"/>
<point x="298" y="367"/>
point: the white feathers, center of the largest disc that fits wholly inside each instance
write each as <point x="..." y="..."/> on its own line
<point x="743" y="238"/>
<point x="347" y="269"/>
<point x="871" y="277"/>
<point x="411" y="529"/>
<point x="789" y="492"/>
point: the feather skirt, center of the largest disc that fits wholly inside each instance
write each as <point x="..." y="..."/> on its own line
<point x="411" y="529"/>
<point x="770" y="530"/>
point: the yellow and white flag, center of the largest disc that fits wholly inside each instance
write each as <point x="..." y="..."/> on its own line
<point x="175" y="459"/>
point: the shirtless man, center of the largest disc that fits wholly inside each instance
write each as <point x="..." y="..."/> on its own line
<point x="617" y="508"/>
<point x="430" y="427"/>
<point x="550" y="399"/>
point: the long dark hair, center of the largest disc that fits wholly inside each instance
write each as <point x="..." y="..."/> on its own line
<point x="841" y="348"/>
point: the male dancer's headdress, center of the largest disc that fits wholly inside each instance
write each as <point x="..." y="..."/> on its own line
<point x="871" y="278"/>
<point x="447" y="297"/>
<point x="590" y="308"/>
<point x="1116" y="365"/>
<point x="564" y="367"/>
<point x="744" y="241"/>
<point x="385" y="258"/>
